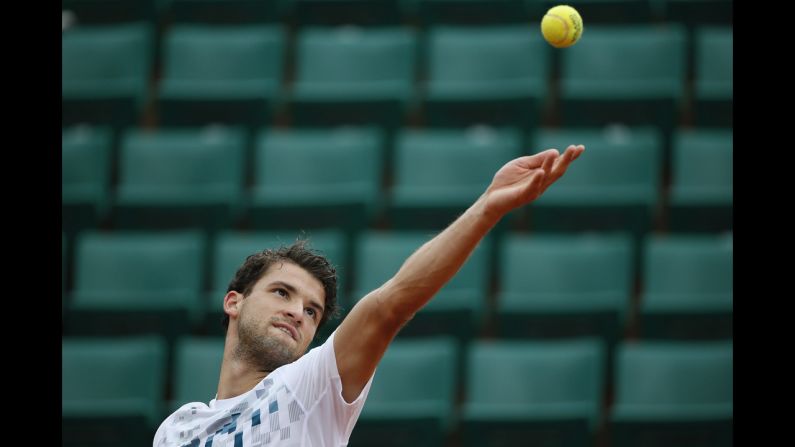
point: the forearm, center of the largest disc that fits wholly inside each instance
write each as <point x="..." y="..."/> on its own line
<point x="430" y="267"/>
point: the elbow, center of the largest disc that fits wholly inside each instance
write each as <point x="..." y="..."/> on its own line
<point x="395" y="310"/>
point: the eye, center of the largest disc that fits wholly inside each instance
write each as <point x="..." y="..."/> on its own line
<point x="281" y="292"/>
<point x="311" y="312"/>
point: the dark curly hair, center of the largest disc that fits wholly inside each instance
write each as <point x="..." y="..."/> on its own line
<point x="299" y="254"/>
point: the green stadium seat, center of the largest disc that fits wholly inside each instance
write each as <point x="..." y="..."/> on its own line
<point x="633" y="75"/>
<point x="86" y="160"/>
<point x="197" y="370"/>
<point x="136" y="283"/>
<point x="440" y="173"/>
<point x="105" y="74"/>
<point x="496" y="75"/>
<point x="702" y="184"/>
<point x="111" y="390"/>
<point x="713" y="87"/>
<point x="221" y="74"/>
<point x="555" y="286"/>
<point x="458" y="309"/>
<point x="180" y="179"/>
<point x="548" y="393"/>
<point x="673" y="394"/>
<point x="314" y="178"/>
<point x="688" y="289"/>
<point x="231" y="248"/>
<point x="407" y="405"/>
<point x="349" y="75"/>
<point x="614" y="186"/>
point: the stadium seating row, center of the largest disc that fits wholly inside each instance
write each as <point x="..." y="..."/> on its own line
<point x="540" y="286"/>
<point x="550" y="391"/>
<point x="257" y="75"/>
<point x="356" y="178"/>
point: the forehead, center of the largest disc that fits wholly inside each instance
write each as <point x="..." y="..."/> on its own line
<point x="295" y="276"/>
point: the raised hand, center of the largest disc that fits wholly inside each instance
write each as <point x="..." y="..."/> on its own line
<point x="524" y="179"/>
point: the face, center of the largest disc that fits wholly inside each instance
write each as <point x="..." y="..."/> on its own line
<point x="277" y="321"/>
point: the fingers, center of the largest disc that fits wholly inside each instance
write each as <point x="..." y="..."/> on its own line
<point x="552" y="164"/>
<point x="535" y="185"/>
<point x="579" y="149"/>
<point x="538" y="160"/>
<point x="549" y="161"/>
<point x="562" y="163"/>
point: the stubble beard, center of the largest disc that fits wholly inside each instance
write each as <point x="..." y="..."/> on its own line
<point x="264" y="351"/>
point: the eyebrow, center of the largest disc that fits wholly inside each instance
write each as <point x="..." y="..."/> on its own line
<point x="290" y="288"/>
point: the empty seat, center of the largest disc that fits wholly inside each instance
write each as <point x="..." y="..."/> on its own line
<point x="614" y="185"/>
<point x="105" y="73"/>
<point x="440" y="173"/>
<point x="565" y="286"/>
<point x="713" y="87"/>
<point x="86" y="159"/>
<point x="633" y="75"/>
<point x="228" y="75"/>
<point x="702" y="181"/>
<point x="673" y="394"/>
<point x="111" y="390"/>
<point x="407" y="405"/>
<point x="687" y="287"/>
<point x="197" y="370"/>
<point x="548" y="392"/>
<point x="350" y="75"/>
<point x="458" y="309"/>
<point x="313" y="178"/>
<point x="485" y="75"/>
<point x="137" y="283"/>
<point x="180" y="178"/>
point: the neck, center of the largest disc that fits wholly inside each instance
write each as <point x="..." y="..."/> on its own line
<point x="237" y="375"/>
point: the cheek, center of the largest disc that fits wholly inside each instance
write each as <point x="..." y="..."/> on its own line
<point x="309" y="333"/>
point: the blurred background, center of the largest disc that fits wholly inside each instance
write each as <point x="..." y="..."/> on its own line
<point x="196" y="132"/>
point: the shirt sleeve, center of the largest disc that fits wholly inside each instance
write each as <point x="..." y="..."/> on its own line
<point x="315" y="380"/>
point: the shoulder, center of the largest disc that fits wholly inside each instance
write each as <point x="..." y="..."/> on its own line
<point x="312" y="373"/>
<point x="320" y="354"/>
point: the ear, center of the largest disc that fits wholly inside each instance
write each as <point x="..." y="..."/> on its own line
<point x="233" y="301"/>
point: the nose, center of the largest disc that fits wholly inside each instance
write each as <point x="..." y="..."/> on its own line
<point x="295" y="311"/>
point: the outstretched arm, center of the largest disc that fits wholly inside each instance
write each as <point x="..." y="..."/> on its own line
<point x="366" y="332"/>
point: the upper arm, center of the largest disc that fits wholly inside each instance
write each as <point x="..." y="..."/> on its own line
<point x="361" y="340"/>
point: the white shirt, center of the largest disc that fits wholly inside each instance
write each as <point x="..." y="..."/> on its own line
<point x="299" y="404"/>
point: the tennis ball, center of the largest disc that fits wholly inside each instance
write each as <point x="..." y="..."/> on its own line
<point x="562" y="26"/>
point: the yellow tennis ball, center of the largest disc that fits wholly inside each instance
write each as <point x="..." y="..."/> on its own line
<point x="562" y="26"/>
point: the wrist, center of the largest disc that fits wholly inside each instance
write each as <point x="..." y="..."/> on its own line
<point x="484" y="211"/>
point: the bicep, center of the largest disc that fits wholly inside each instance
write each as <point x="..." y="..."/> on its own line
<point x="361" y="340"/>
